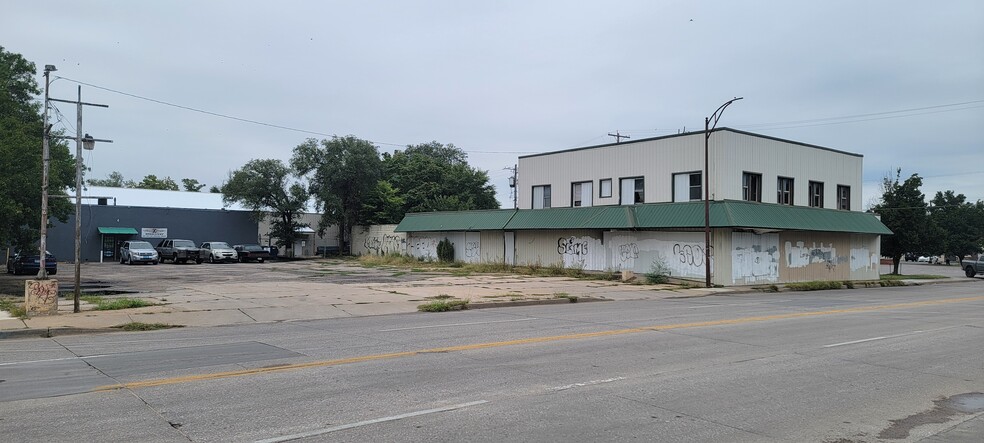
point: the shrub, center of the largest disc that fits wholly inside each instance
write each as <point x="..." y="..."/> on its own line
<point x="658" y="273"/>
<point x="445" y="250"/>
<point x="443" y="305"/>
<point x="814" y="285"/>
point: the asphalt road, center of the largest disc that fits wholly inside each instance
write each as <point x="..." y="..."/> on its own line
<point x="885" y="364"/>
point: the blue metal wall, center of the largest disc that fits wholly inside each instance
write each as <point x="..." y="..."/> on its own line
<point x="198" y="225"/>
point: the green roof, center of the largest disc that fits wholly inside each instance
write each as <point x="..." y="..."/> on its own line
<point x="490" y="220"/>
<point x="118" y="231"/>
<point x="688" y="215"/>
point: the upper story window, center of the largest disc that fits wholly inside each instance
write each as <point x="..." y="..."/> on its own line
<point x="633" y="191"/>
<point x="844" y="197"/>
<point x="605" y="188"/>
<point x="816" y="194"/>
<point x="784" y="191"/>
<point x="751" y="187"/>
<point x="581" y="194"/>
<point x="541" y="197"/>
<point x="687" y="186"/>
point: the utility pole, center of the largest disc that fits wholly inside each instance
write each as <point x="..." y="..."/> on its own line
<point x="88" y="143"/>
<point x="45" y="159"/>
<point x="512" y="183"/>
<point x="707" y="185"/>
<point x="618" y="136"/>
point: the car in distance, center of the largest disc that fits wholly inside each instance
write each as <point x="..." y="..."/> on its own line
<point x="30" y="263"/>
<point x="252" y="252"/>
<point x="218" y="251"/>
<point x="138" y="251"/>
<point x="178" y="251"/>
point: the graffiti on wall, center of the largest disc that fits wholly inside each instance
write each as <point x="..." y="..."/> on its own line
<point x="863" y="259"/>
<point x="384" y="244"/>
<point x="754" y="258"/>
<point x="473" y="250"/>
<point x="423" y="247"/>
<point x="581" y="252"/>
<point x="628" y="251"/>
<point x="681" y="257"/>
<point x="800" y="255"/>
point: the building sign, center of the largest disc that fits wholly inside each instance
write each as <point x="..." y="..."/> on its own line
<point x="153" y="232"/>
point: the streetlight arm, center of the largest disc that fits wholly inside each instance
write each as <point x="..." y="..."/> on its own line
<point x="717" y="115"/>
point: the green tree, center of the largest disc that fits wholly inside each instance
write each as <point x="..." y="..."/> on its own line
<point x="192" y="185"/>
<point x="152" y="182"/>
<point x="114" y="180"/>
<point x="436" y="177"/>
<point x="344" y="171"/>
<point x="958" y="224"/>
<point x="383" y="205"/>
<point x="903" y="210"/>
<point x="264" y="187"/>
<point x="21" y="129"/>
<point x="215" y="190"/>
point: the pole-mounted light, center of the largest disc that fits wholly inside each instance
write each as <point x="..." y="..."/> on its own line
<point x="707" y="186"/>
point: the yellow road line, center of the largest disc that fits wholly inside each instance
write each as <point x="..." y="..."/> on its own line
<point x="524" y="341"/>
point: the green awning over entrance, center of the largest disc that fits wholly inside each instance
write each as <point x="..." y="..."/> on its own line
<point x="117" y="231"/>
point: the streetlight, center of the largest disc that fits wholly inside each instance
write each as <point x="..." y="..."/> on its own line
<point x="45" y="159"/>
<point x="88" y="143"/>
<point x="707" y="186"/>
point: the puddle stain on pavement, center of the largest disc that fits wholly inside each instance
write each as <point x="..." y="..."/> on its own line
<point x="944" y="411"/>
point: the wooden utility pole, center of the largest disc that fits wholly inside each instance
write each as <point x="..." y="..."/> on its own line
<point x="618" y="136"/>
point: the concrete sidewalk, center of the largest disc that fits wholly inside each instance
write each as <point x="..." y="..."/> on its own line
<point x="227" y="295"/>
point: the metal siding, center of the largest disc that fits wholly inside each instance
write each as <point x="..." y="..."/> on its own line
<point x="865" y="257"/>
<point x="682" y="253"/>
<point x="455" y="221"/>
<point x="809" y="256"/>
<point x="732" y="154"/>
<point x="543" y="248"/>
<point x="493" y="247"/>
<point x="378" y="240"/>
<point x="198" y="225"/>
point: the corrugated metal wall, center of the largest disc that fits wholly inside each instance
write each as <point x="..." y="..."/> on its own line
<point x="681" y="253"/>
<point x="493" y="246"/>
<point x="378" y="240"/>
<point x="570" y="248"/>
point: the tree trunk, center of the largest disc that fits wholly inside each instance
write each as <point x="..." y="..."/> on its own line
<point x="895" y="264"/>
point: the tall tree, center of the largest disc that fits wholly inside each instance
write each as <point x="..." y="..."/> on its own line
<point x="192" y="185"/>
<point x="958" y="223"/>
<point x="21" y="129"/>
<point x="436" y="177"/>
<point x="264" y="186"/>
<point x="152" y="182"/>
<point x="113" y="180"/>
<point x="344" y="171"/>
<point x="903" y="210"/>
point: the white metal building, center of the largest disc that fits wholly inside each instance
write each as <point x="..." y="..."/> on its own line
<point x="742" y="165"/>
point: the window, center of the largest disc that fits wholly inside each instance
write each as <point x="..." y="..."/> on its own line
<point x="605" y="188"/>
<point x="686" y="186"/>
<point x="581" y="194"/>
<point x="816" y="194"/>
<point x="541" y="197"/>
<point x="633" y="191"/>
<point x="751" y="187"/>
<point x="784" y="191"/>
<point x="844" y="197"/>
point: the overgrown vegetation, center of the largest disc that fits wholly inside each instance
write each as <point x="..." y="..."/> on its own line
<point x="814" y="285"/>
<point x="103" y="304"/>
<point x="659" y="273"/>
<point x="139" y="326"/>
<point x="445" y="251"/>
<point x="12" y="308"/>
<point x="443" y="306"/>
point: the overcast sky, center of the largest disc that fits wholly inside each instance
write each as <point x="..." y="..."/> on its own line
<point x="503" y="79"/>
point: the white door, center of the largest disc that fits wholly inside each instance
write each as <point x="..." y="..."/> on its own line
<point x="510" y="250"/>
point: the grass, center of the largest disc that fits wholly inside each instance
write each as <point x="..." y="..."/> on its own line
<point x="103" y="304"/>
<point x="443" y="306"/>
<point x="571" y="298"/>
<point x="14" y="309"/>
<point x="911" y="277"/>
<point x="138" y="326"/>
<point x="814" y="285"/>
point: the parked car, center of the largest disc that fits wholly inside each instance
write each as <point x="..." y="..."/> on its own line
<point x="179" y="251"/>
<point x="218" y="251"/>
<point x="928" y="259"/>
<point x="251" y="252"/>
<point x="30" y="263"/>
<point x="138" y="251"/>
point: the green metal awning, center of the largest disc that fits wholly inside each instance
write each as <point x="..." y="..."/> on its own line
<point x="687" y="215"/>
<point x="117" y="231"/>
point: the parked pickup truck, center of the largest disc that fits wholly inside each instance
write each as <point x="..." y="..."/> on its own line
<point x="973" y="266"/>
<point x="179" y="251"/>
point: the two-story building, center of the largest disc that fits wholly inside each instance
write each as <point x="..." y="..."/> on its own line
<point x="780" y="211"/>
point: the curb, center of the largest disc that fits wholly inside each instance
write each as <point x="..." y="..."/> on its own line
<point x="550" y="301"/>
<point x="52" y="332"/>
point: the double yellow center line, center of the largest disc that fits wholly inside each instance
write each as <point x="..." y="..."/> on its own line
<point x="525" y="341"/>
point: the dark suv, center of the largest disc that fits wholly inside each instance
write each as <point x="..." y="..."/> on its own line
<point x="179" y="251"/>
